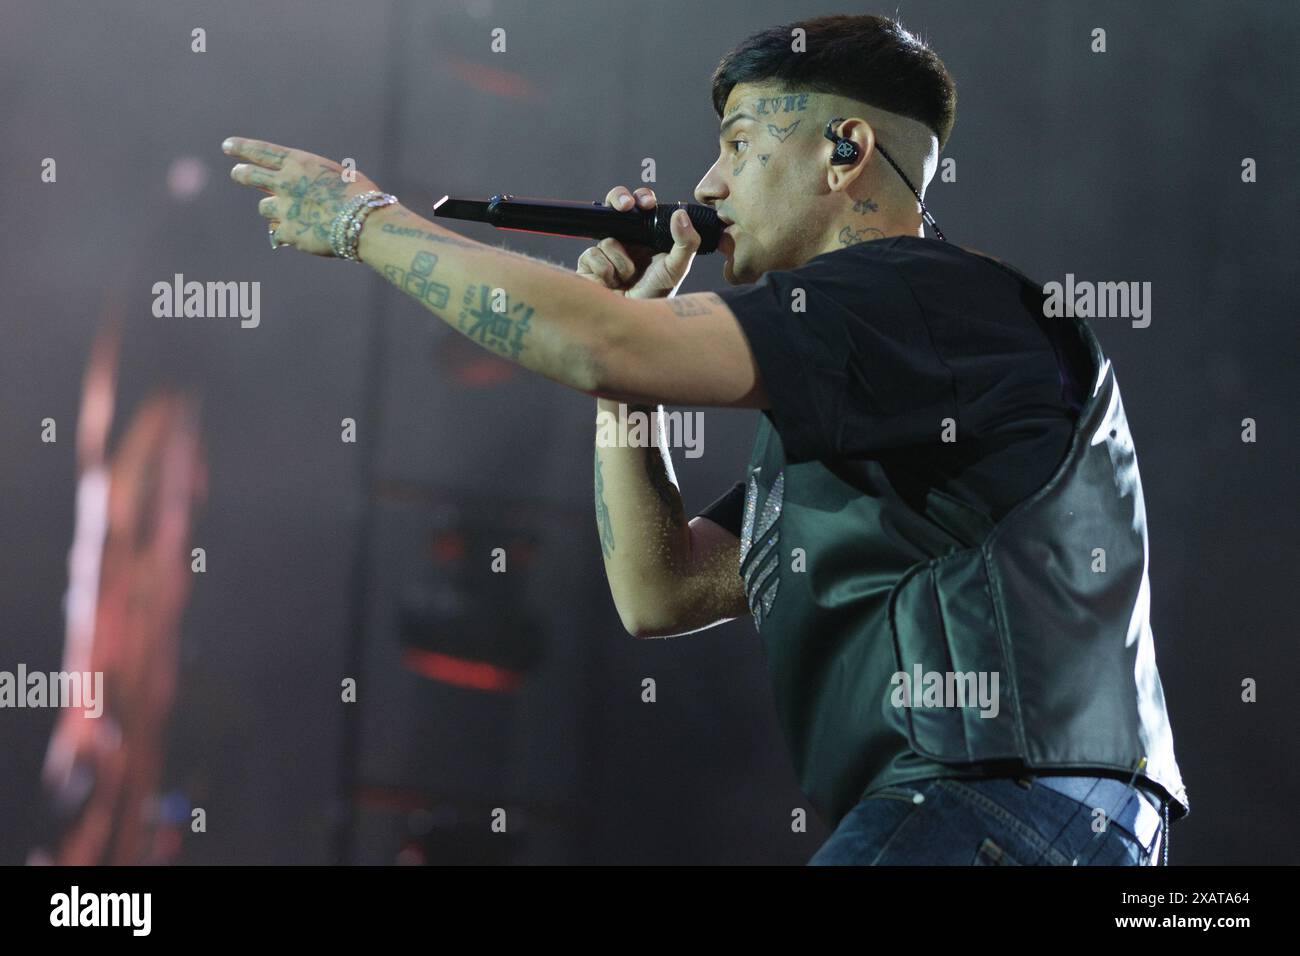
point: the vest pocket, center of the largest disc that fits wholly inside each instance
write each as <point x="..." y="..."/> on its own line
<point x="951" y="662"/>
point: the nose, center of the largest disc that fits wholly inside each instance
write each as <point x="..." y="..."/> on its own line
<point x="711" y="188"/>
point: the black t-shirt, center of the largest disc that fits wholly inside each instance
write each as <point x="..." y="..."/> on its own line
<point x="902" y="343"/>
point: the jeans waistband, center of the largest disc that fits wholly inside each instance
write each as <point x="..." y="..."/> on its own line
<point x="1133" y="809"/>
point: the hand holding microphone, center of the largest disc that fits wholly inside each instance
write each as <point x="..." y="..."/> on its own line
<point x="635" y="270"/>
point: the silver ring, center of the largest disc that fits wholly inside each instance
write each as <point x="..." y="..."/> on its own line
<point x="275" y="243"/>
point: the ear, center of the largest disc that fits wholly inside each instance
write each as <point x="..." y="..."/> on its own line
<point x="860" y="132"/>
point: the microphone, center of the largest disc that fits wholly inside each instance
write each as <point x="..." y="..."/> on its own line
<point x="594" y="220"/>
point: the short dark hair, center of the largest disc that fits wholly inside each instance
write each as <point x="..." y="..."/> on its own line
<point x="867" y="58"/>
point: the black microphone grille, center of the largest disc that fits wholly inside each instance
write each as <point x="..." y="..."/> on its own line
<point x="703" y="218"/>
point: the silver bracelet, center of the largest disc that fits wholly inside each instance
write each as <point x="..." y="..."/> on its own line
<point x="345" y="231"/>
<point x="338" y="228"/>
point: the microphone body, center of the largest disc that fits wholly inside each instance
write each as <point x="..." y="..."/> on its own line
<point x="594" y="220"/>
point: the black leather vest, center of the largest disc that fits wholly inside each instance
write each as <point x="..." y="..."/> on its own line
<point x="1053" y="598"/>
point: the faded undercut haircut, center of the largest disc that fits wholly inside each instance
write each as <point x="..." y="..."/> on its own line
<point x="867" y="58"/>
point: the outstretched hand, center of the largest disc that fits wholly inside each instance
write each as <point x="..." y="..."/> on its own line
<point x="304" y="191"/>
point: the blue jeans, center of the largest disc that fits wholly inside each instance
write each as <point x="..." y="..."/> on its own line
<point x="1004" y="821"/>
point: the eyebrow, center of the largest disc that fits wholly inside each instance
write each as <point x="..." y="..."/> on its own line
<point x="731" y="119"/>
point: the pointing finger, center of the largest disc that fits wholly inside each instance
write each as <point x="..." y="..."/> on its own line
<point x="250" y="175"/>
<point x="256" y="151"/>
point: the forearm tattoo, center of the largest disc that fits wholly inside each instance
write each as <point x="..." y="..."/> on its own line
<point x="417" y="280"/>
<point x="696" y="305"/>
<point x="489" y="317"/>
<point x="603" y="523"/>
<point x="414" y="233"/>
<point x="451" y="239"/>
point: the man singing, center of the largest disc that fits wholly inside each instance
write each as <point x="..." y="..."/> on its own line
<point x="940" y="535"/>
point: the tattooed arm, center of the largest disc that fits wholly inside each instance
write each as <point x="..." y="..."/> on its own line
<point x="684" y="350"/>
<point x="537" y="315"/>
<point x="540" y="316"/>
<point x="552" y="322"/>
<point x="644" y="540"/>
<point x="666" y="576"/>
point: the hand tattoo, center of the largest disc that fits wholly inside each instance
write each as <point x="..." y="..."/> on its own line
<point x="315" y="202"/>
